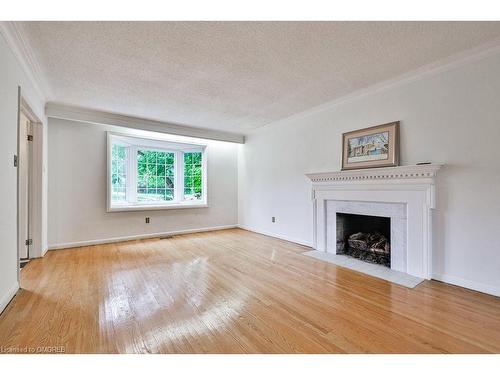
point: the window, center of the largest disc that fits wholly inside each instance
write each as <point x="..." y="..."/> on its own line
<point x="192" y="175"/>
<point x="118" y="173"/>
<point x="153" y="174"/>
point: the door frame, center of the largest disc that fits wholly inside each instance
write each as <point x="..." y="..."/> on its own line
<point x="36" y="179"/>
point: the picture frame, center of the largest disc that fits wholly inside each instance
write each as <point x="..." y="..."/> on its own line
<point x="373" y="147"/>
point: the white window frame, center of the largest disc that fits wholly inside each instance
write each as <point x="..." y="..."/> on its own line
<point x="154" y="144"/>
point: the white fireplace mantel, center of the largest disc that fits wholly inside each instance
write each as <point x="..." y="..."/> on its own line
<point x="413" y="186"/>
<point x="419" y="172"/>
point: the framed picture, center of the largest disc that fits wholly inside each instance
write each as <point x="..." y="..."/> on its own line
<point x="373" y="147"/>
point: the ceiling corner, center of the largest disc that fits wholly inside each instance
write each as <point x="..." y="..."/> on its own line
<point x="14" y="36"/>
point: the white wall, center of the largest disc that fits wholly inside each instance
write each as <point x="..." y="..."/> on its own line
<point x="11" y="76"/>
<point x="451" y="116"/>
<point x="77" y="190"/>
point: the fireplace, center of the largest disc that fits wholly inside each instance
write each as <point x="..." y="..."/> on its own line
<point x="404" y="196"/>
<point x="364" y="237"/>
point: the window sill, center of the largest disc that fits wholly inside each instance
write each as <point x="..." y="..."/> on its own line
<point x="149" y="207"/>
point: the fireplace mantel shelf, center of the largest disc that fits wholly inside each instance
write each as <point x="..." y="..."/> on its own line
<point x="401" y="172"/>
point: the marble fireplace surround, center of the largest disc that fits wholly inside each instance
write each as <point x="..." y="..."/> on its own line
<point x="406" y="194"/>
<point x="395" y="211"/>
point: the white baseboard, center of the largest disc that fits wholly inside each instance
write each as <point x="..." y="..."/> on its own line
<point x="5" y="299"/>
<point x="469" y="284"/>
<point x="136" y="237"/>
<point x="281" y="237"/>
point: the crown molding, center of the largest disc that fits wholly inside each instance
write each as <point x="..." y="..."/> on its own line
<point x="69" y="112"/>
<point x="14" y="36"/>
<point x="440" y="66"/>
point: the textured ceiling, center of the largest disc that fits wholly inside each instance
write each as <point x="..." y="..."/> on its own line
<point x="233" y="76"/>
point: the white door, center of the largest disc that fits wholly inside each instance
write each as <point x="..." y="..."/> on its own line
<point x="24" y="186"/>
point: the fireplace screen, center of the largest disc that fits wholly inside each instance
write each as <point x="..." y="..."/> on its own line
<point x="364" y="237"/>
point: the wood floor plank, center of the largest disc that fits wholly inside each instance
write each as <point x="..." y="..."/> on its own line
<point x="234" y="291"/>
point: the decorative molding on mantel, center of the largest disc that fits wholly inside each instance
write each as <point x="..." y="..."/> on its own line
<point x="401" y="172"/>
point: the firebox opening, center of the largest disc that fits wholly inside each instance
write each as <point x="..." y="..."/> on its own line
<point x="364" y="237"/>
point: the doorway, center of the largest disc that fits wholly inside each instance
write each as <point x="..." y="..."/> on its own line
<point x="29" y="163"/>
<point x="25" y="188"/>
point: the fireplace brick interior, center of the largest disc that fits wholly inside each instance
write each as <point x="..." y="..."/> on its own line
<point x="364" y="237"/>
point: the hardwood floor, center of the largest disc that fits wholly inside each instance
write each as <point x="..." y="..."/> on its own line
<point x="234" y="291"/>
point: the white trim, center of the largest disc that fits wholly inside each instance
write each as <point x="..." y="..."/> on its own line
<point x="156" y="206"/>
<point x="158" y="141"/>
<point x="274" y="235"/>
<point x="469" y="284"/>
<point x="179" y="175"/>
<point x="69" y="112"/>
<point x="137" y="237"/>
<point x="4" y="300"/>
<point x="131" y="178"/>
<point x="14" y="36"/>
<point x="204" y="171"/>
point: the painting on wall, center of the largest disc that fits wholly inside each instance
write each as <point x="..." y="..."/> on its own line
<point x="377" y="146"/>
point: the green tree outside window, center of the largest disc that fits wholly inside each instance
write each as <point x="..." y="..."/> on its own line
<point x="155" y="176"/>
<point x="192" y="175"/>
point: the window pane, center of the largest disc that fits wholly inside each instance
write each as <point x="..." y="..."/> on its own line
<point x="160" y="170"/>
<point x="141" y="157"/>
<point x="151" y="169"/>
<point x="169" y="194"/>
<point x="141" y="169"/>
<point x="169" y="171"/>
<point x="169" y="182"/>
<point x="152" y="185"/>
<point x="151" y="157"/>
<point x="193" y="176"/>
<point x="118" y="173"/>
<point x="188" y="169"/>
<point x="197" y="158"/>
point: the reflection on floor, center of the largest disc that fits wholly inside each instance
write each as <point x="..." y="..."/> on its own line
<point x="234" y="291"/>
